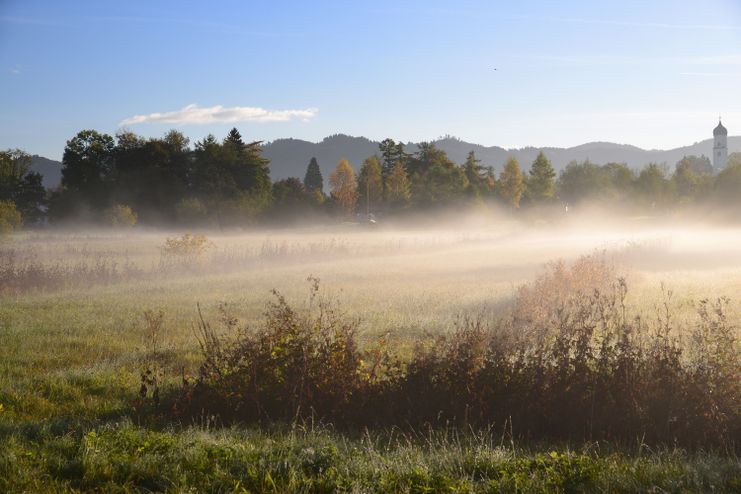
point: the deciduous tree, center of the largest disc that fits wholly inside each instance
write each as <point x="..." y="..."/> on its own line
<point x="512" y="183"/>
<point x="728" y="182"/>
<point x="435" y="178"/>
<point x="370" y="185"/>
<point x="10" y="217"/>
<point x="398" y="190"/>
<point x="344" y="188"/>
<point x="652" y="187"/>
<point x="289" y="191"/>
<point x="20" y="186"/>
<point x="151" y="175"/>
<point x="686" y="182"/>
<point x="87" y="166"/>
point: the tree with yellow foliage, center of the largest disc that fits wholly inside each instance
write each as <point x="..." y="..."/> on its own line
<point x="398" y="189"/>
<point x="10" y="217"/>
<point x="344" y="187"/>
<point x="512" y="183"/>
<point x="370" y="185"/>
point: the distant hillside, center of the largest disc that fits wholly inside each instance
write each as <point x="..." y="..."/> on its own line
<point x="289" y="157"/>
<point x="50" y="170"/>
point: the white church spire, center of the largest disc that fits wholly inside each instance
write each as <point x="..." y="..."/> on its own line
<point x="720" y="145"/>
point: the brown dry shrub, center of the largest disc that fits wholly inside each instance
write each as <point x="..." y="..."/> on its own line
<point x="540" y="304"/>
<point x="186" y="252"/>
<point x="297" y="364"/>
<point x="188" y="245"/>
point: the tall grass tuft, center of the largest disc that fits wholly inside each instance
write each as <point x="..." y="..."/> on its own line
<point x="23" y="272"/>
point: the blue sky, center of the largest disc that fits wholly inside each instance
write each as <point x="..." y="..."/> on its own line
<point x="652" y="73"/>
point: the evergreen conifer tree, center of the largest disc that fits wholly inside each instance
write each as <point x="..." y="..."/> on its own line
<point x="313" y="180"/>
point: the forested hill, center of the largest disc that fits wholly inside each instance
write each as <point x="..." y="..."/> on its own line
<point x="50" y="170"/>
<point x="289" y="157"/>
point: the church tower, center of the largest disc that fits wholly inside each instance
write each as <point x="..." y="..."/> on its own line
<point x="720" y="146"/>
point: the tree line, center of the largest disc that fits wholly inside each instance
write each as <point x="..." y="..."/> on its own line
<point x="122" y="180"/>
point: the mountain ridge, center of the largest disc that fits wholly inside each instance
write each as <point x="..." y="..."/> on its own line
<point x="289" y="156"/>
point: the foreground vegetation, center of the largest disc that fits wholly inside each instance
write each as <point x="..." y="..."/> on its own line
<point x="569" y="365"/>
<point x="104" y="386"/>
<point x="121" y="457"/>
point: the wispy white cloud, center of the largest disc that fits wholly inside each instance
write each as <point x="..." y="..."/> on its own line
<point x="630" y="23"/>
<point x="14" y="71"/>
<point x="9" y="19"/>
<point x="733" y="59"/>
<point x="576" y="60"/>
<point x="706" y="74"/>
<point x="201" y="24"/>
<point x="652" y="25"/>
<point x="194" y="114"/>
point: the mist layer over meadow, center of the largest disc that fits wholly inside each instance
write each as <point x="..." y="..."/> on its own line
<point x="391" y="275"/>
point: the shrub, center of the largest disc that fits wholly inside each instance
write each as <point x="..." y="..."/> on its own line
<point x="539" y="304"/>
<point x="10" y="217"/>
<point x="586" y="371"/>
<point x="188" y="246"/>
<point x="120" y="216"/>
<point x="297" y="364"/>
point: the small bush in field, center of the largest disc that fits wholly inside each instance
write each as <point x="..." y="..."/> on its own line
<point x="538" y="304"/>
<point x="298" y="363"/>
<point x="120" y="216"/>
<point x="10" y="217"/>
<point x="188" y="246"/>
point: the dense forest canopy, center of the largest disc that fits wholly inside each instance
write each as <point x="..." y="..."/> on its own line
<point x="127" y="179"/>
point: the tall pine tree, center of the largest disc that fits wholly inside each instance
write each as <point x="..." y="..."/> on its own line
<point x="540" y="181"/>
<point x="248" y="167"/>
<point x="391" y="154"/>
<point x="313" y="180"/>
<point x="475" y="174"/>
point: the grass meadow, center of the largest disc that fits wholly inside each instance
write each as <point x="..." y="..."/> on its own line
<point x="76" y="342"/>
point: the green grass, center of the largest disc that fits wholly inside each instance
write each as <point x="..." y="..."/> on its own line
<point x="120" y="457"/>
<point x="70" y="363"/>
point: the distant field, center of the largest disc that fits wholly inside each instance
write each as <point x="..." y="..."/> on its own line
<point x="418" y="280"/>
<point x="72" y="349"/>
